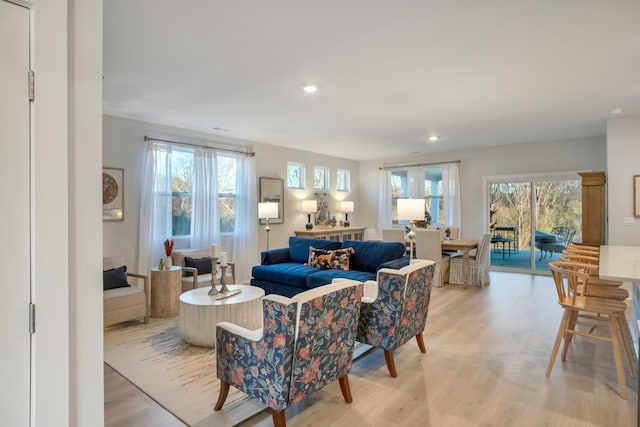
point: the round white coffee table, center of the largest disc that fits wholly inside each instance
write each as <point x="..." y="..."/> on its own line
<point x="200" y="312"/>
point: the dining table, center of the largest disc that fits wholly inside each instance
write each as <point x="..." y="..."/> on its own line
<point x="463" y="245"/>
<point x="623" y="263"/>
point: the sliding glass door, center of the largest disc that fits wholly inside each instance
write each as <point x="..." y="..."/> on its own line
<point x="532" y="219"/>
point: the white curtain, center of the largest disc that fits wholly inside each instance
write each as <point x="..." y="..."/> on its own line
<point x="155" y="205"/>
<point x="205" y="222"/>
<point x="245" y="243"/>
<point x="384" y="201"/>
<point x="451" y="194"/>
<point x="415" y="182"/>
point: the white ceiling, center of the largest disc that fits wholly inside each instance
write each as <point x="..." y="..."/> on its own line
<point x="390" y="73"/>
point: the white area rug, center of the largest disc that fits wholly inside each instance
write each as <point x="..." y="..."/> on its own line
<point x="179" y="376"/>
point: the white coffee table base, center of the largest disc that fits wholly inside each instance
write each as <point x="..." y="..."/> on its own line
<point x="200" y="312"/>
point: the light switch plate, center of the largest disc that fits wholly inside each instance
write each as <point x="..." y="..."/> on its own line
<point x="629" y="220"/>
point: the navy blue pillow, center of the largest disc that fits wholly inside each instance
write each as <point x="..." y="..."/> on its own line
<point x="115" y="278"/>
<point x="202" y="264"/>
<point x="299" y="247"/>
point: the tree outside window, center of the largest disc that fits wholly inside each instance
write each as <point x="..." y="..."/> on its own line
<point x="182" y="191"/>
<point x="343" y="180"/>
<point x="295" y="175"/>
<point x="321" y="178"/>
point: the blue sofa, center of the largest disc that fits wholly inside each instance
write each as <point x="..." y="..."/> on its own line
<point x="283" y="271"/>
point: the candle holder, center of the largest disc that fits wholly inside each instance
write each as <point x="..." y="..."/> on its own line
<point x="223" y="279"/>
<point x="214" y="271"/>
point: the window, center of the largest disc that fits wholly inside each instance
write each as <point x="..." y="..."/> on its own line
<point x="227" y="192"/>
<point x="295" y="175"/>
<point x="433" y="194"/>
<point x="321" y="178"/>
<point x="182" y="171"/>
<point x="181" y="191"/>
<point x="343" y="180"/>
<point x="437" y="184"/>
<point x="398" y="191"/>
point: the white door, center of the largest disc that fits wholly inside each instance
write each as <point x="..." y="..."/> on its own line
<point x="15" y="281"/>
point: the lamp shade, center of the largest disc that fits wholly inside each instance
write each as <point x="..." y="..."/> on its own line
<point x="309" y="206"/>
<point x="410" y="209"/>
<point x="346" y="206"/>
<point x="267" y="210"/>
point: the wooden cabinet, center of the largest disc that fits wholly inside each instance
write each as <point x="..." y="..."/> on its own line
<point x="339" y="234"/>
<point x="593" y="200"/>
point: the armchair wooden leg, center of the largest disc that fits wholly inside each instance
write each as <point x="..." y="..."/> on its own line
<point x="345" y="389"/>
<point x="391" y="365"/>
<point x="420" y="340"/>
<point x="279" y="419"/>
<point x="222" y="396"/>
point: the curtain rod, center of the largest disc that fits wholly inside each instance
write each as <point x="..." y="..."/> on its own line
<point x="418" y="164"/>
<point x="228" y="150"/>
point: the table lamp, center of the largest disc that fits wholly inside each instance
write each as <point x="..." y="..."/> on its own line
<point x="309" y="206"/>
<point x="346" y="207"/>
<point x="266" y="211"/>
<point x="411" y="210"/>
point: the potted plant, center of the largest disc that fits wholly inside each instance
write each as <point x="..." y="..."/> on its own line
<point x="168" y="249"/>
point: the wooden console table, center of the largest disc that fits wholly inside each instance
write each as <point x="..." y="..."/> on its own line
<point x="339" y="234"/>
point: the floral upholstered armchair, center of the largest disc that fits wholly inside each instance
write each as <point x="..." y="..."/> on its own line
<point x="394" y="309"/>
<point x="306" y="342"/>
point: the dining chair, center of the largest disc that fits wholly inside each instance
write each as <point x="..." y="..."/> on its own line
<point x="478" y="265"/>
<point x="428" y="246"/>
<point x="566" y="279"/>
<point x="393" y="235"/>
<point x="307" y="342"/>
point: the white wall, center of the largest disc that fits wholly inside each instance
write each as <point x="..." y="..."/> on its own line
<point x="67" y="60"/>
<point x="559" y="156"/>
<point x="623" y="152"/>
<point x="123" y="148"/>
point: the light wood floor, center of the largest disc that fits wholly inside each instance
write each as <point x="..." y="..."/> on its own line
<point x="487" y="351"/>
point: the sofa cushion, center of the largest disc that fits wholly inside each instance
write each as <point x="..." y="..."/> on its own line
<point x="120" y="298"/>
<point x="178" y="256"/>
<point x="369" y="255"/>
<point x="323" y="277"/>
<point x="323" y="259"/>
<point x="202" y="264"/>
<point x="291" y="274"/>
<point x="115" y="278"/>
<point x="299" y="247"/>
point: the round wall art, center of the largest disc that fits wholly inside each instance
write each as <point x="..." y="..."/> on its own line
<point x="112" y="194"/>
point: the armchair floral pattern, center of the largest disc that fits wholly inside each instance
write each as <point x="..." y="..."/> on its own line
<point x="400" y="309"/>
<point x="307" y="341"/>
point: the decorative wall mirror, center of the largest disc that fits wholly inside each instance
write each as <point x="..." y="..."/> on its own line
<point x="636" y="196"/>
<point x="272" y="190"/>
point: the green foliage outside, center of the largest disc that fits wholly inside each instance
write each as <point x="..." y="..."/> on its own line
<point x="557" y="203"/>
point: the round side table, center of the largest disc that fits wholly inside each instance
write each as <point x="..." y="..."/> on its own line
<point x="199" y="312"/>
<point x="166" y="286"/>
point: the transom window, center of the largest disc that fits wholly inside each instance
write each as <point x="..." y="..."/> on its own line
<point x="295" y="175"/>
<point x="343" y="180"/>
<point x="321" y="178"/>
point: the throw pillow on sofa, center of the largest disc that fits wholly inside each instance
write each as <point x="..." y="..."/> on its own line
<point x="115" y="278"/>
<point x="326" y="259"/>
<point x="202" y="264"/>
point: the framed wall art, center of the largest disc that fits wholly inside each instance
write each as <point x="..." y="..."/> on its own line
<point x="112" y="194"/>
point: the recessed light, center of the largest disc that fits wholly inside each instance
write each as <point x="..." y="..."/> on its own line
<point x="434" y="138"/>
<point x="616" y="111"/>
<point x="310" y="88"/>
